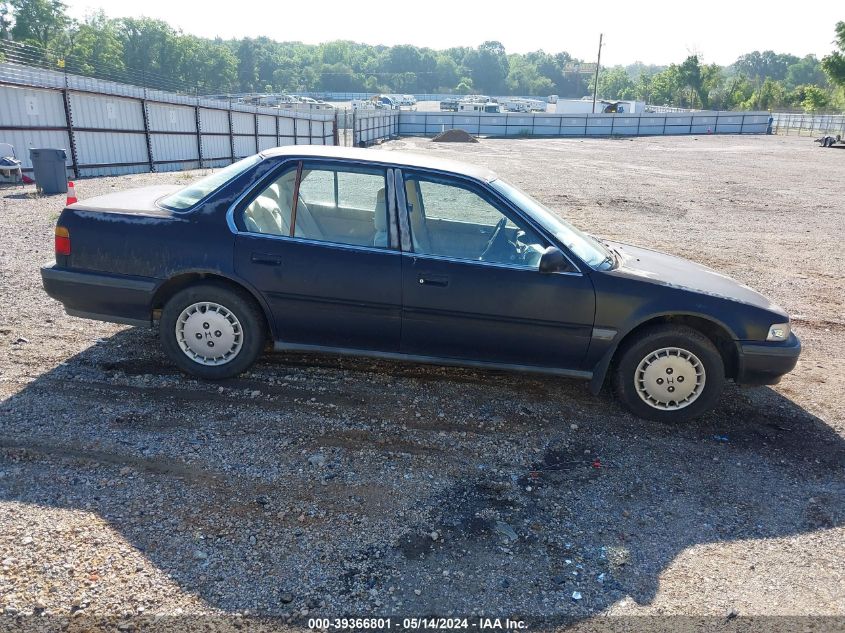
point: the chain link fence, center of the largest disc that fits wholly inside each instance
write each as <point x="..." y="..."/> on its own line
<point x="800" y="124"/>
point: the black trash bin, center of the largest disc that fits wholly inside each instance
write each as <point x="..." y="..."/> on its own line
<point x="50" y="169"/>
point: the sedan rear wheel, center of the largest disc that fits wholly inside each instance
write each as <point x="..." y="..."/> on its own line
<point x="209" y="333"/>
<point x="669" y="373"/>
<point x="212" y="331"/>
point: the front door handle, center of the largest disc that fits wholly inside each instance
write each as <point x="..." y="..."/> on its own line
<point x="266" y="260"/>
<point x="440" y="281"/>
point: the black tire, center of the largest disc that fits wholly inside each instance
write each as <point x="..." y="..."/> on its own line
<point x="634" y="350"/>
<point x="240" y="304"/>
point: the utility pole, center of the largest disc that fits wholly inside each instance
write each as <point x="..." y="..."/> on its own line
<point x="596" y="81"/>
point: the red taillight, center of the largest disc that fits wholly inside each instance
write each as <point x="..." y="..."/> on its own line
<point x="62" y="241"/>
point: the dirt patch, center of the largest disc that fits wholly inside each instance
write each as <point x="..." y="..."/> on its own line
<point x="455" y="136"/>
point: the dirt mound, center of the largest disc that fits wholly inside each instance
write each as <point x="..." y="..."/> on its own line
<point x="454" y="136"/>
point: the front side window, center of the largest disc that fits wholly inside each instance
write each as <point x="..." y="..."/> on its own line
<point x="333" y="204"/>
<point x="450" y="220"/>
<point x="587" y="248"/>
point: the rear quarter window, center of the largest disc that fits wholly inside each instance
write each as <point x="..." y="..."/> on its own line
<point x="186" y="198"/>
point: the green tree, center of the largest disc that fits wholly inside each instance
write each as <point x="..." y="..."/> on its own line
<point x="5" y="21"/>
<point x="811" y="98"/>
<point x="768" y="64"/>
<point x="615" y="83"/>
<point x="691" y="77"/>
<point x="488" y="65"/>
<point x="464" y="86"/>
<point x="770" y="96"/>
<point x="665" y="87"/>
<point x="152" y="51"/>
<point x="247" y="65"/>
<point x="209" y="65"/>
<point x="524" y="78"/>
<point x="731" y="93"/>
<point x="446" y="73"/>
<point x="95" y="46"/>
<point x="806" y="71"/>
<point x="834" y="64"/>
<point x="40" y="22"/>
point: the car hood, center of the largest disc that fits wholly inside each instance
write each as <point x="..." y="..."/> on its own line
<point x="141" y="201"/>
<point x="669" y="270"/>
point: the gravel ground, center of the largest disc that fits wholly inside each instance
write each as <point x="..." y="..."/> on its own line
<point x="317" y="486"/>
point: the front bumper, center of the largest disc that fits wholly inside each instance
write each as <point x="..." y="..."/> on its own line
<point x="763" y="363"/>
<point x="101" y="296"/>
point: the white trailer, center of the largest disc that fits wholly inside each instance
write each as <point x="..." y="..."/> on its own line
<point x="473" y="106"/>
<point x="515" y="104"/>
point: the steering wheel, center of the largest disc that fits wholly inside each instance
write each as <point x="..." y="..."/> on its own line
<point x="495" y="238"/>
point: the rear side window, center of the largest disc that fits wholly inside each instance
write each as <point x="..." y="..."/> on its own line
<point x="271" y="211"/>
<point x="334" y="204"/>
<point x="193" y="193"/>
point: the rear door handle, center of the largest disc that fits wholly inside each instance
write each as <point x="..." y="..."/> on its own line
<point x="440" y="281"/>
<point x="266" y="260"/>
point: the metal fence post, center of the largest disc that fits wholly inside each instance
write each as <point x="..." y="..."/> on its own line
<point x="231" y="135"/>
<point x="354" y="121"/>
<point x="335" y="135"/>
<point x="146" y="116"/>
<point x="255" y="121"/>
<point x="199" y="134"/>
<point x="74" y="159"/>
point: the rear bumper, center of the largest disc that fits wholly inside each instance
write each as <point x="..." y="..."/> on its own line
<point x="101" y="296"/>
<point x="763" y="363"/>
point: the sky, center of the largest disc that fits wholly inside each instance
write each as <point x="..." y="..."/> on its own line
<point x="653" y="32"/>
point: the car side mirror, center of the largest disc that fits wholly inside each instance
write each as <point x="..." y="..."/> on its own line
<point x="553" y="260"/>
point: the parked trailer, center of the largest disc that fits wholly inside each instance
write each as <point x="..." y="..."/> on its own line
<point x="449" y="105"/>
<point x="471" y="106"/>
<point x="516" y="104"/>
<point x="828" y="140"/>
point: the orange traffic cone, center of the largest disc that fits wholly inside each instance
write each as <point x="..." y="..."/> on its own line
<point x="71" y="193"/>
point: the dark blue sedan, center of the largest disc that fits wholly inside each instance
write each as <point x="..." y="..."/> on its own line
<point x="413" y="258"/>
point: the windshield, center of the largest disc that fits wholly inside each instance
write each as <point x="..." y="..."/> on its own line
<point x="587" y="248"/>
<point x="193" y="193"/>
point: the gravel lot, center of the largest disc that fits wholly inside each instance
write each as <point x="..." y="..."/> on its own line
<point x="317" y="486"/>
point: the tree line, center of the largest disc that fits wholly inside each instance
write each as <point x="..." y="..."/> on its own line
<point x="151" y="52"/>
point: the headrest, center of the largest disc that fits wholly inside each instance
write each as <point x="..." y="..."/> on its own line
<point x="274" y="191"/>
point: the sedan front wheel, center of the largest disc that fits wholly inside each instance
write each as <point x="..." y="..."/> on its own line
<point x="669" y="373"/>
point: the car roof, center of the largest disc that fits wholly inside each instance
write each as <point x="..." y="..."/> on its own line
<point x="391" y="157"/>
